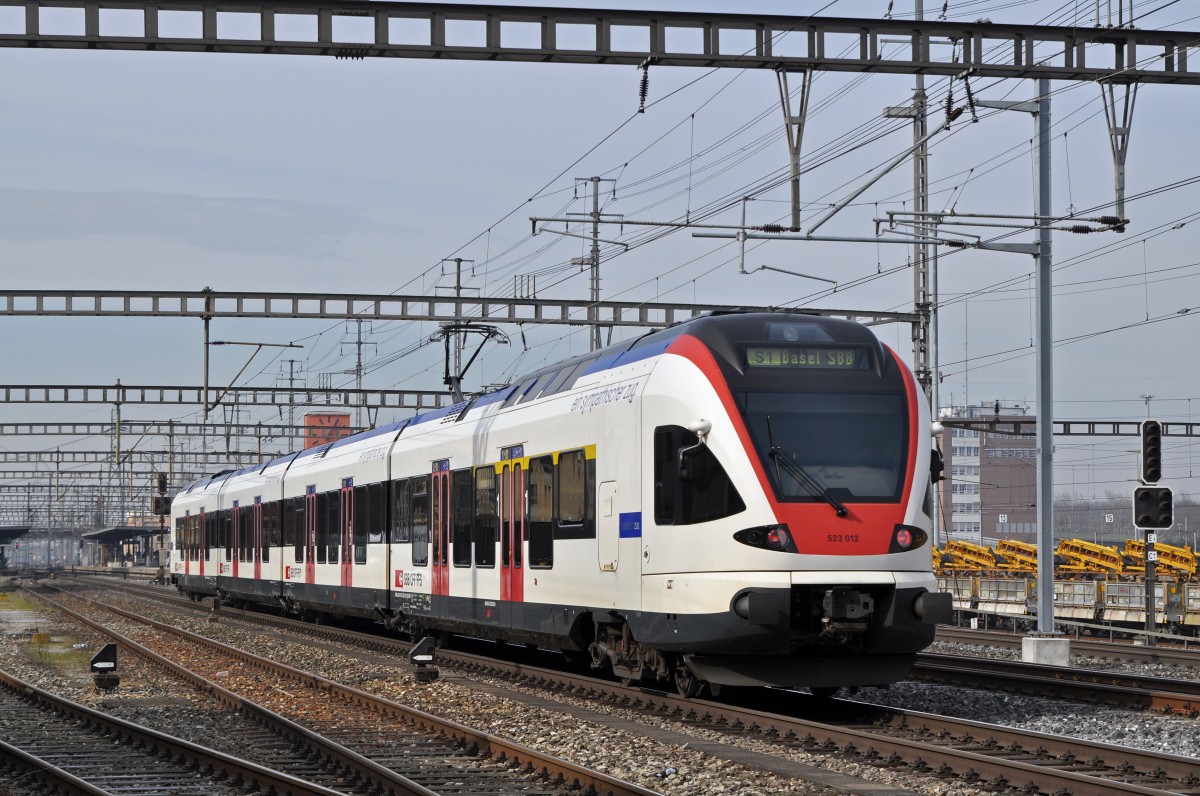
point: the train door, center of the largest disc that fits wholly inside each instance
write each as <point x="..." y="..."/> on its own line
<point x="310" y="535"/>
<point x="440" y="520"/>
<point x="189" y="531"/>
<point x="202" y="538"/>
<point x="608" y="527"/>
<point x="512" y="532"/>
<point x="346" y="531"/>
<point x="257" y="535"/>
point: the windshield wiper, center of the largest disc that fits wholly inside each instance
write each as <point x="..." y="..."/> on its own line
<point x="802" y="476"/>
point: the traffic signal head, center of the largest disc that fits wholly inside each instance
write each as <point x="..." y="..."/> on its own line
<point x="1152" y="508"/>
<point x="1151" y="469"/>
<point x="162" y="483"/>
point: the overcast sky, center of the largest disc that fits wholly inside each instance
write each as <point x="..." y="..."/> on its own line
<point x="172" y="171"/>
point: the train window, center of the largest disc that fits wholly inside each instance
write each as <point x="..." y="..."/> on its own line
<point x="362" y="521"/>
<point x="401" y="511"/>
<point x="420" y="521"/>
<point x="376" y="512"/>
<point x="485" y="517"/>
<point x="854" y="446"/>
<point x="227" y="533"/>
<point x="333" y="526"/>
<point x="461" y="512"/>
<point x="437" y="512"/>
<point x="293" y="526"/>
<point x="576" y="514"/>
<point x="270" y="529"/>
<point x="322" y="529"/>
<point x="690" y="485"/>
<point x="245" y="540"/>
<point x="540" y="505"/>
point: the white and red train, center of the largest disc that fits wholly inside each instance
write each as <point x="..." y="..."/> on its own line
<point x="741" y="498"/>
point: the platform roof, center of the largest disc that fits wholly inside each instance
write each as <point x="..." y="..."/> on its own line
<point x="10" y="533"/>
<point x="119" y="533"/>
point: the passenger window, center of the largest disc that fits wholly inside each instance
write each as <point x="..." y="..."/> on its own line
<point x="401" y="511"/>
<point x="362" y="520"/>
<point x="376" y="512"/>
<point x="333" y="526"/>
<point x="322" y="526"/>
<point x="420" y="521"/>
<point x="540" y="523"/>
<point x="460" y="517"/>
<point x="485" y="517"/>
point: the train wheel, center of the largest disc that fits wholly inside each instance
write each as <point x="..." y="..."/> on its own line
<point x="686" y="683"/>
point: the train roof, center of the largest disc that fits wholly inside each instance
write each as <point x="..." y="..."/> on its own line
<point x="716" y="329"/>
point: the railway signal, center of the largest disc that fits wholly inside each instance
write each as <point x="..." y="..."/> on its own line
<point x="1152" y="508"/>
<point x="1151" y="461"/>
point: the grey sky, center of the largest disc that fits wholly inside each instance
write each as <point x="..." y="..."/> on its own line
<point x="179" y="171"/>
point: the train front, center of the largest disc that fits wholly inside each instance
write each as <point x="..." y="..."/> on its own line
<point x="791" y="538"/>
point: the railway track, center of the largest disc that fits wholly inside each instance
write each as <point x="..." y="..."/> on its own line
<point x="1109" y="688"/>
<point x="971" y="752"/>
<point x="383" y="745"/>
<point x="1183" y="653"/>
<point x="70" y="748"/>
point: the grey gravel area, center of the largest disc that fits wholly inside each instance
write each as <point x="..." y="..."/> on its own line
<point x="675" y="768"/>
<point x="1138" y="729"/>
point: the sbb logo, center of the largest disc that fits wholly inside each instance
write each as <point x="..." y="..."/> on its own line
<point x="399" y="579"/>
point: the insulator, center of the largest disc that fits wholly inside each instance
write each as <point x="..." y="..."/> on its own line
<point x="773" y="228"/>
<point x="1081" y="229"/>
<point x="1112" y="221"/>
<point x="644" y="89"/>
<point x="954" y="114"/>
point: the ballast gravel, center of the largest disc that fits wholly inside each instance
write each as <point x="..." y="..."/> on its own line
<point x="151" y="697"/>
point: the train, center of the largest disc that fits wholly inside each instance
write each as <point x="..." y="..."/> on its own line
<point x="739" y="499"/>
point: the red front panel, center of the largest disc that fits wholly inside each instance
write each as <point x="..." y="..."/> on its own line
<point x="867" y="528"/>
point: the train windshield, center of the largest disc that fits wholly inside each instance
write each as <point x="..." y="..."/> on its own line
<point x="814" y="446"/>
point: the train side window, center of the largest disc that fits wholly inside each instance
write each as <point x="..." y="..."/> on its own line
<point x="376" y="512"/>
<point x="420" y="521"/>
<point x="485" y="517"/>
<point x="333" y="525"/>
<point x="539" y="527"/>
<point x="301" y="528"/>
<point x="575" y="491"/>
<point x="270" y="529"/>
<point x="227" y="533"/>
<point x="690" y="485"/>
<point x="362" y="521"/>
<point x="322" y="531"/>
<point x="245" y="540"/>
<point x="461" y="513"/>
<point x="401" y="511"/>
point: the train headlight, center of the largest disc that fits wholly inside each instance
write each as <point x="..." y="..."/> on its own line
<point x="768" y="537"/>
<point x="907" y="537"/>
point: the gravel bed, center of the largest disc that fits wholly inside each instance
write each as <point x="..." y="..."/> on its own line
<point x="648" y="762"/>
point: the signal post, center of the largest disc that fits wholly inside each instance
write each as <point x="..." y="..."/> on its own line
<point x="1153" y="508"/>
